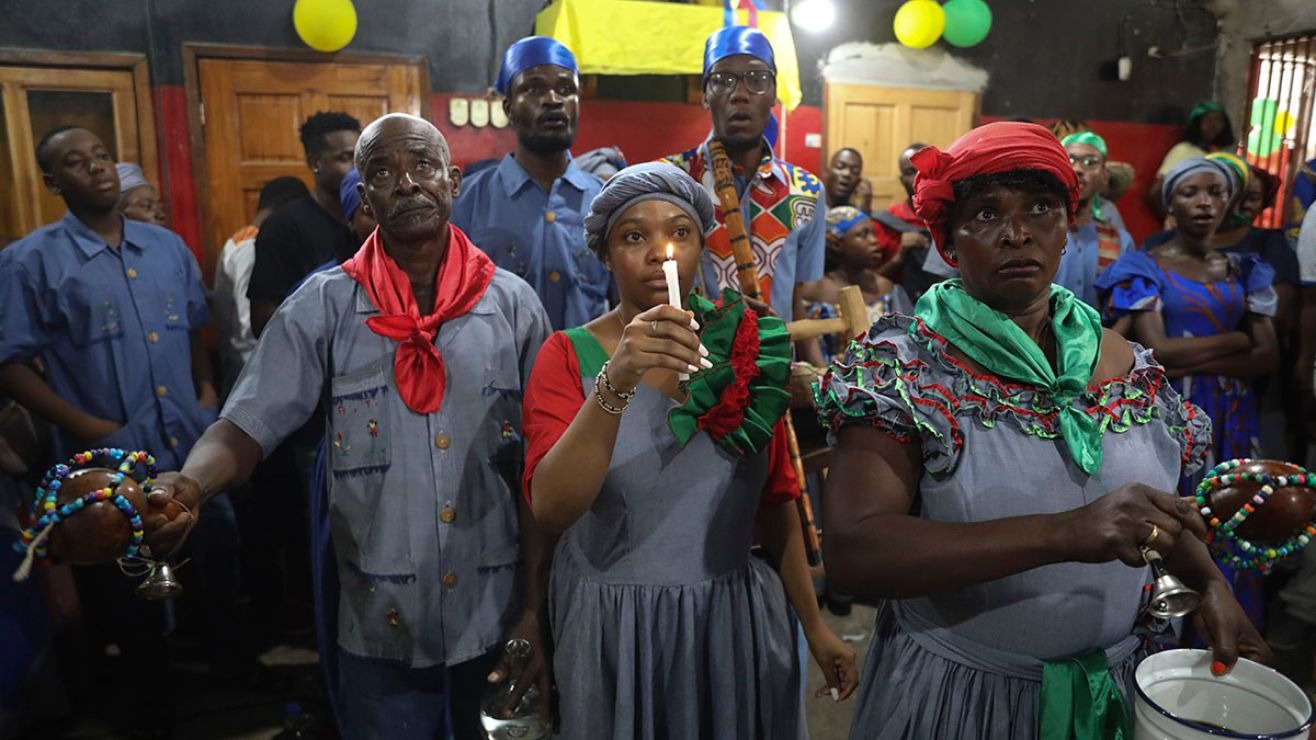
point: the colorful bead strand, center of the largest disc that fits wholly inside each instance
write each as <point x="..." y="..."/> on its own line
<point x="51" y="512"/>
<point x="1225" y="532"/>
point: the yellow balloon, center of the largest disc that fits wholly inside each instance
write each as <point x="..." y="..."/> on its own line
<point x="919" y="23"/>
<point x="1284" y="123"/>
<point x="325" y="25"/>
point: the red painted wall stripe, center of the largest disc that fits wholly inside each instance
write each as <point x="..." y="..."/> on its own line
<point x="175" y="147"/>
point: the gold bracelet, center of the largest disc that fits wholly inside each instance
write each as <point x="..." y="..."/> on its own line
<point x="614" y="410"/>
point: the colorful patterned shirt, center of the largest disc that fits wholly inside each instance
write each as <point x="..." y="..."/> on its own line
<point x="786" y="216"/>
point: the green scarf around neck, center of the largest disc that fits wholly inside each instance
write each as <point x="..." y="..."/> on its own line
<point x="991" y="339"/>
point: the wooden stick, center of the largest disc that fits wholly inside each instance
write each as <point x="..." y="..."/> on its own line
<point x="812" y="541"/>
<point x="724" y="182"/>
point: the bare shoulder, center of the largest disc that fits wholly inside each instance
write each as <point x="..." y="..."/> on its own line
<point x="1116" y="357"/>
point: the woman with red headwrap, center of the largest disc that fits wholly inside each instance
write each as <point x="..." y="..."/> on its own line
<point x="1000" y="461"/>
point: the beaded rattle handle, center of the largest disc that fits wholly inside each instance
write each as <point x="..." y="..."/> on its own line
<point x="52" y="513"/>
<point x="1260" y="558"/>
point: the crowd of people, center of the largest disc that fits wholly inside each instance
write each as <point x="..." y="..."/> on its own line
<point x="532" y="403"/>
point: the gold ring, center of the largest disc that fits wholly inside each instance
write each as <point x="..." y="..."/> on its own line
<point x="1156" y="532"/>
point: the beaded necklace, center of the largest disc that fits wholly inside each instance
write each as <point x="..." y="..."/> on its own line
<point x="1253" y="556"/>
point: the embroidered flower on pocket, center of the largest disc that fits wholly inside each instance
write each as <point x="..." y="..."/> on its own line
<point x="343" y="446"/>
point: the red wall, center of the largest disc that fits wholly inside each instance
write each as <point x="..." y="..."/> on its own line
<point x="643" y="131"/>
<point x="1142" y="145"/>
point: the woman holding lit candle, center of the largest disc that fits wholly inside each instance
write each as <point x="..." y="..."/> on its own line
<point x="664" y="625"/>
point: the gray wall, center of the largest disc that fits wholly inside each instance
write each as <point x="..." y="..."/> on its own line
<point x="1252" y="21"/>
<point x="456" y="35"/>
<point x="1047" y="58"/>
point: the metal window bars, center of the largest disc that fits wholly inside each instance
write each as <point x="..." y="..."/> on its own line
<point x="1279" y="129"/>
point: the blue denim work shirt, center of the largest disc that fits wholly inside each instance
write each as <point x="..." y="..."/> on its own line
<point x="538" y="236"/>
<point x="1078" y="265"/>
<point x="422" y="507"/>
<point x="111" y="326"/>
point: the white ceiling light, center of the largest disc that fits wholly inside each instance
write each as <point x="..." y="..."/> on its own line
<point x="813" y="15"/>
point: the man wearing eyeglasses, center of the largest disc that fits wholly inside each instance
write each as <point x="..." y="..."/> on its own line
<point x="1094" y="242"/>
<point x="779" y="201"/>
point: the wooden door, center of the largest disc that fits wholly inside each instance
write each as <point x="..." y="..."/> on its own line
<point x="252" y="109"/>
<point x="36" y="99"/>
<point x="881" y="122"/>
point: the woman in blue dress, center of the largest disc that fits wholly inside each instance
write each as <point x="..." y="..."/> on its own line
<point x="1206" y="316"/>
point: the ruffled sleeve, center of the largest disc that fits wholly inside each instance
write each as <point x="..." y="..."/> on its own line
<point x="1133" y="283"/>
<point x="553" y="397"/>
<point x="1187" y="423"/>
<point x="885" y="381"/>
<point x="1258" y="279"/>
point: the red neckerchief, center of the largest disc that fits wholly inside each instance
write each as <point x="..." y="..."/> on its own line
<point x="463" y="275"/>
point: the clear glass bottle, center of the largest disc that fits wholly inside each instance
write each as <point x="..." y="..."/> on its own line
<point x="522" y="723"/>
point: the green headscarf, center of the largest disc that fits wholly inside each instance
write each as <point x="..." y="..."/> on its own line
<point x="1086" y="137"/>
<point x="992" y="340"/>
<point x="1201" y="109"/>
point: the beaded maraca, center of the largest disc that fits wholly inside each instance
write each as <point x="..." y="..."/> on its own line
<point x="1257" y="511"/>
<point x="86" y="514"/>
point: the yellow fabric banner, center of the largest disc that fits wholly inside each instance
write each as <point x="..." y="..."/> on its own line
<point x="633" y="37"/>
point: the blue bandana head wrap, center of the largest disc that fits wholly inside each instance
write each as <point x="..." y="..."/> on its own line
<point x="131" y="177"/>
<point x="843" y="218"/>
<point x="733" y="40"/>
<point x="1192" y="166"/>
<point x="347" y="194"/>
<point x="533" y="51"/>
<point x="641" y="182"/>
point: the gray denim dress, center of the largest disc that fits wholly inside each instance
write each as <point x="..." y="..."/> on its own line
<point x="968" y="663"/>
<point x="664" y="625"/>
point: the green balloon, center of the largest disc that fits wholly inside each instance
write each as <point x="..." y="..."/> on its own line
<point x="967" y="22"/>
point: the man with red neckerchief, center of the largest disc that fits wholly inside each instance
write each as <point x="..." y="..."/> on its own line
<point x="415" y="351"/>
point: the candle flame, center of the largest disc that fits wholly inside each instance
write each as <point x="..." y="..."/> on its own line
<point x="670" y="250"/>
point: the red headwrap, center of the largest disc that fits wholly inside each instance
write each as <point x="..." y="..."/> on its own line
<point x="986" y="150"/>
<point x="464" y="274"/>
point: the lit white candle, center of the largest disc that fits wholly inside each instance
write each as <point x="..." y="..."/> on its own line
<point x="673" y="289"/>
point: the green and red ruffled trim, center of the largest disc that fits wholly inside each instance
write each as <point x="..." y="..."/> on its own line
<point x="744" y="394"/>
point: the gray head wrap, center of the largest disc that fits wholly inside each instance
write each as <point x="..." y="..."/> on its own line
<point x="1193" y="166"/>
<point x="641" y="182"/>
<point x="131" y="177"/>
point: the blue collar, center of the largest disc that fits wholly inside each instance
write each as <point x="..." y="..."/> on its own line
<point x="90" y="243"/>
<point x="514" y="177"/>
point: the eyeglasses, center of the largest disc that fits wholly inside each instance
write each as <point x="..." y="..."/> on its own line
<point x="757" y="82"/>
<point x="1088" y="162"/>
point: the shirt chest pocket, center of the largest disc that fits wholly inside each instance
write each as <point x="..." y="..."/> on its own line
<point x="502" y="399"/>
<point x="358" y="437"/>
<point x="505" y="248"/>
<point x="173" y="308"/>
<point x="96" y="316"/>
